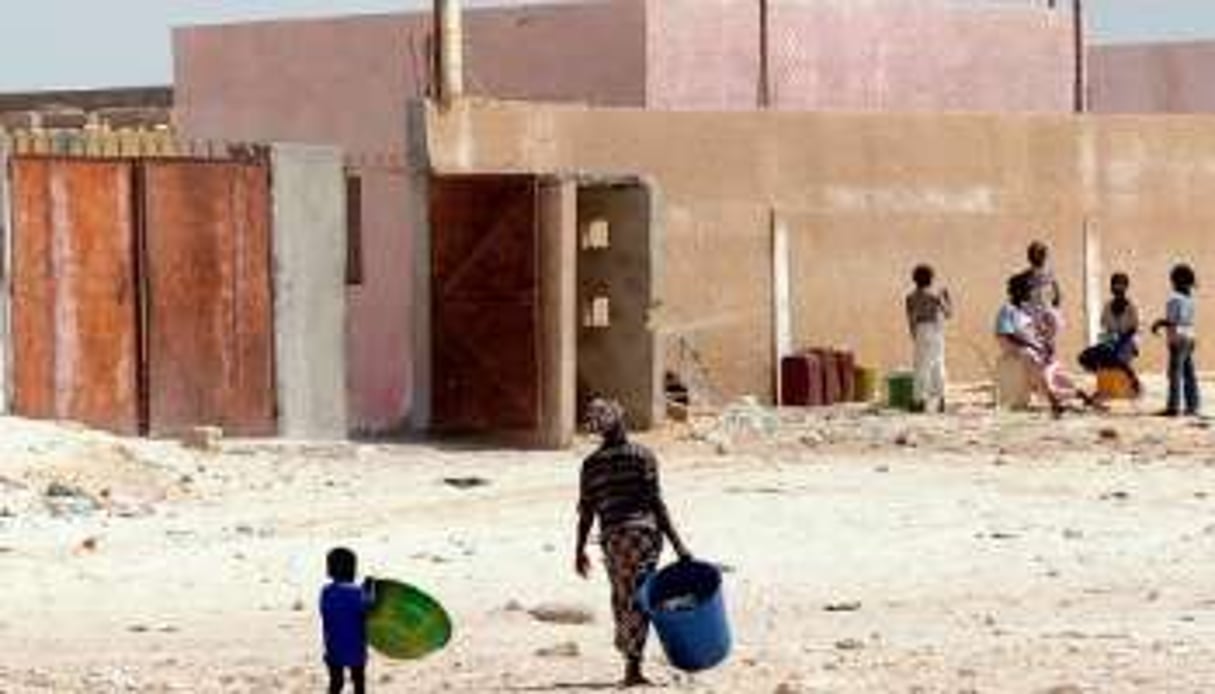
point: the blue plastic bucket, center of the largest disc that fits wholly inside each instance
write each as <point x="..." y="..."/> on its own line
<point x="685" y="604"/>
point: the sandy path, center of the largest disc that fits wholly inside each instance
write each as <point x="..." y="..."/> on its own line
<point x="993" y="555"/>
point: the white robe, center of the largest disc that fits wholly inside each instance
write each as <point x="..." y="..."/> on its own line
<point x="929" y="362"/>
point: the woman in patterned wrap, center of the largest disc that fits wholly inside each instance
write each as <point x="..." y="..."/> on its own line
<point x="619" y="487"/>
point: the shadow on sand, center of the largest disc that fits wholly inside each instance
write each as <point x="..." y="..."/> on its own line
<point x="573" y="687"/>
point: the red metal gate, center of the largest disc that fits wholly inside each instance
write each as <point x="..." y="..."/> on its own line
<point x="74" y="304"/>
<point x="209" y="302"/>
<point x="142" y="296"/>
<point x="485" y="303"/>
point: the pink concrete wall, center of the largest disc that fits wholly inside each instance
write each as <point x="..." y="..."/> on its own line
<point x="908" y="55"/>
<point x="594" y="53"/>
<point x="703" y="54"/>
<point x="919" y="56"/>
<point x="1153" y="78"/>
<point x="348" y="82"/>
<point x="278" y="82"/>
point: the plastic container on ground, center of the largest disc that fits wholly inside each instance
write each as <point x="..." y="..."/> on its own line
<point x="866" y="384"/>
<point x="900" y="390"/>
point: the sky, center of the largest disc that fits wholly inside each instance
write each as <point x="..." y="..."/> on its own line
<point x="90" y="43"/>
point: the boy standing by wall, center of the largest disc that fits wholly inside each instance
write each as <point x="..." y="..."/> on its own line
<point x="927" y="312"/>
<point x="1178" y="323"/>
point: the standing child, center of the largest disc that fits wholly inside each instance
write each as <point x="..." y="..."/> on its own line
<point x="344" y="607"/>
<point x="927" y="312"/>
<point x="1178" y="322"/>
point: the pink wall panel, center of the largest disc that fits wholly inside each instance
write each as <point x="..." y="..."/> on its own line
<point x="856" y="55"/>
<point x="1153" y="78"/>
<point x="594" y="54"/>
<point x="703" y="54"/>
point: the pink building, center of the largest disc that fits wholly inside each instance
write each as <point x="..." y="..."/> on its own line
<point x="349" y="82"/>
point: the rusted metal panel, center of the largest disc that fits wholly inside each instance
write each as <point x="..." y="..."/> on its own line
<point x="209" y="302"/>
<point x="486" y="307"/>
<point x="74" y="307"/>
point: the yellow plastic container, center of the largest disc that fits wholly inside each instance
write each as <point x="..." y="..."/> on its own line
<point x="866" y="384"/>
<point x="1114" y="384"/>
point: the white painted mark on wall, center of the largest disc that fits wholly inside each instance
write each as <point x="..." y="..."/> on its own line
<point x="912" y="199"/>
<point x="66" y="353"/>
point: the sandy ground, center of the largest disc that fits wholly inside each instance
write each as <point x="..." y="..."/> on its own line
<point x="971" y="552"/>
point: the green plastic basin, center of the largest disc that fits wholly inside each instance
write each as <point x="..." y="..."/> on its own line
<point x="406" y="623"/>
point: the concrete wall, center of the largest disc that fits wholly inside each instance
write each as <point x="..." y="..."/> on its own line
<point x="1155" y="178"/>
<point x="882" y="55"/>
<point x="702" y="54"/>
<point x="865" y="197"/>
<point x="310" y="291"/>
<point x="916" y="55"/>
<point x="1153" y="78"/>
<point x="347" y="82"/>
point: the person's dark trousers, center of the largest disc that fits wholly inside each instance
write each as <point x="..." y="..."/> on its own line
<point x="337" y="679"/>
<point x="1183" y="378"/>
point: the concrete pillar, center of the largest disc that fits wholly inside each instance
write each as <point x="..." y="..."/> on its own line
<point x="1094" y="282"/>
<point x="309" y="238"/>
<point x="559" y="311"/>
<point x="782" y="303"/>
<point x="449" y="22"/>
<point x="418" y="222"/>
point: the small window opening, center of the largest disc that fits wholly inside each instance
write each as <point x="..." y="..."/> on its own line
<point x="597" y="235"/>
<point x="598" y="312"/>
<point x="354" y="230"/>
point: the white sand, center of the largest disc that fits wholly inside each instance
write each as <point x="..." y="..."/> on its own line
<point x="988" y="554"/>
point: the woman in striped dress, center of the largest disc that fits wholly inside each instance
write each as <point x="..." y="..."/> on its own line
<point x="619" y="488"/>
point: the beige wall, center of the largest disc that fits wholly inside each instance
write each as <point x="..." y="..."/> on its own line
<point x="1155" y="185"/>
<point x="866" y="197"/>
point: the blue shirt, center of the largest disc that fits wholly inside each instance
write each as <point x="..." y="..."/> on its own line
<point x="1010" y="320"/>
<point x="1180" y="312"/>
<point x="344" y="620"/>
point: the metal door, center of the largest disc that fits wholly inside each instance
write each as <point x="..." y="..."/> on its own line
<point x="74" y="303"/>
<point x="485" y="304"/>
<point x="209" y="318"/>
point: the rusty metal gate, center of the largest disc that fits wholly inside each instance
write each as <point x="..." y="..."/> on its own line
<point x="206" y="265"/>
<point x="141" y="293"/>
<point x="74" y="304"/>
<point x="485" y="303"/>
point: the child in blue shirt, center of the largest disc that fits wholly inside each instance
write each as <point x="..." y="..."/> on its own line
<point x="1178" y="322"/>
<point x="344" y="607"/>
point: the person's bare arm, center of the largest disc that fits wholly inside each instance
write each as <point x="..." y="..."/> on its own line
<point x="910" y="316"/>
<point x="665" y="525"/>
<point x="582" y="562"/>
<point x="586" y="519"/>
<point x="1133" y="323"/>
